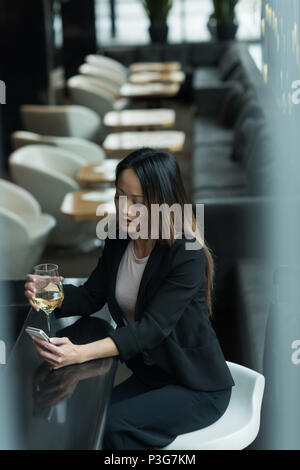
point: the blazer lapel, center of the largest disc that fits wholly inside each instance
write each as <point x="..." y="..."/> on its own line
<point x="116" y="258"/>
<point x="151" y="268"/>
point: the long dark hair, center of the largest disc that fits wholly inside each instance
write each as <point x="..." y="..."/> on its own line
<point x="160" y="178"/>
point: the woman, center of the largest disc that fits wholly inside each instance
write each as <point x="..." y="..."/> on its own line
<point x="159" y="294"/>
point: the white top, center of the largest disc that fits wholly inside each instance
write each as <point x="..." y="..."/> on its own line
<point x="129" y="276"/>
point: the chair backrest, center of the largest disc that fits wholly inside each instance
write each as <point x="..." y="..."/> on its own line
<point x="17" y="200"/>
<point x="47" y="172"/>
<point x="22" y="241"/>
<point x="110" y="75"/>
<point x="231" y="106"/>
<point x="239" y="74"/>
<point x="102" y="85"/>
<point x="102" y="61"/>
<point x="229" y="61"/>
<point x="84" y="91"/>
<point x="250" y="108"/>
<point x="245" y="138"/>
<point x="248" y="389"/>
<point x="69" y="120"/>
<point x="14" y="233"/>
<point x="48" y="159"/>
<point x="262" y="162"/>
<point x="90" y="151"/>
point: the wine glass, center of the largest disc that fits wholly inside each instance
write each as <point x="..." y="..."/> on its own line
<point x="49" y="292"/>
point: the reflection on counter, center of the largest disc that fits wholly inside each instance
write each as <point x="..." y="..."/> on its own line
<point x="52" y="389"/>
<point x="58" y="409"/>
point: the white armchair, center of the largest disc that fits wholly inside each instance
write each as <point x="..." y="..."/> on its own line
<point x="61" y="121"/>
<point x="106" y="76"/>
<point x="101" y="98"/>
<point x="24" y="230"/>
<point x="102" y="85"/>
<point x="89" y="151"/>
<point x="49" y="173"/>
<point x="103" y="62"/>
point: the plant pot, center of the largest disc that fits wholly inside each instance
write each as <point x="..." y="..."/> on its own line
<point x="222" y="32"/>
<point x="158" y="33"/>
<point x="226" y="31"/>
<point x="212" y="26"/>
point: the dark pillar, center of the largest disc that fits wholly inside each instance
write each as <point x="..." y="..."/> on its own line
<point x="31" y="50"/>
<point x="2" y="159"/>
<point x="31" y="42"/>
<point x="79" y="33"/>
<point x="113" y="17"/>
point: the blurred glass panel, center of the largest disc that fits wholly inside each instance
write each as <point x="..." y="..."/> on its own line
<point x="280" y="425"/>
<point x="187" y="21"/>
<point x="10" y="415"/>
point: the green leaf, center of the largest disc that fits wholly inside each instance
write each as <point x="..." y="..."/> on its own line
<point x="157" y="10"/>
<point x="224" y="10"/>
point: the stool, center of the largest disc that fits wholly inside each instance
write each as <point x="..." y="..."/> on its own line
<point x="239" y="425"/>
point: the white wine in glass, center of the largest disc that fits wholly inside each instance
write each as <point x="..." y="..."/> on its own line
<point x="48" y="289"/>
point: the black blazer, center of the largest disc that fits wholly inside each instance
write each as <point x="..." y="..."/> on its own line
<point x="171" y="326"/>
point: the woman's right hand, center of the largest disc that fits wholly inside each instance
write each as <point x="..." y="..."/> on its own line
<point x="34" y="284"/>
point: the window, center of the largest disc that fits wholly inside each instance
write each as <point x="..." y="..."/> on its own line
<point x="187" y="21"/>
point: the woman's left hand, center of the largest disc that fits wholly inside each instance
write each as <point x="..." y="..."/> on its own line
<point x="60" y="352"/>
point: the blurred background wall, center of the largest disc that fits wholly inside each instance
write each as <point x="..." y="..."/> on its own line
<point x="281" y="67"/>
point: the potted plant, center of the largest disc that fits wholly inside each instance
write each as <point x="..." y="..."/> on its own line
<point x="157" y="11"/>
<point x="222" y="23"/>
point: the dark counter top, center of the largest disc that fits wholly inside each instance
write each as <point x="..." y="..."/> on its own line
<point x="62" y="409"/>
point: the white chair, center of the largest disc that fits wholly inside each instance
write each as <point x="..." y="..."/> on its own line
<point x="104" y="74"/>
<point x="239" y="425"/>
<point x="101" y="98"/>
<point x="49" y="173"/>
<point x="103" y="62"/>
<point x="102" y="85"/>
<point x="24" y="230"/>
<point x="61" y="121"/>
<point x="86" y="149"/>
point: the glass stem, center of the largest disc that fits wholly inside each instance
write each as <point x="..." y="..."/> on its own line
<point x="49" y="326"/>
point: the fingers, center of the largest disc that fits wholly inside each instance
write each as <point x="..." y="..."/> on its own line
<point x="35" y="277"/>
<point x="53" y="279"/>
<point x="53" y="346"/>
<point x="59" y="341"/>
<point x="29" y="293"/>
<point x="50" y="354"/>
<point x="33" y="282"/>
<point x="30" y="289"/>
<point x="34" y="306"/>
<point x="46" y="344"/>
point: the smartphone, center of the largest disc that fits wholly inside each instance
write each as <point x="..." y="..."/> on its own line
<point x="37" y="332"/>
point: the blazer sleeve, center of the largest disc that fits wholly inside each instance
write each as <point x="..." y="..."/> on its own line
<point x="92" y="295"/>
<point x="186" y="277"/>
